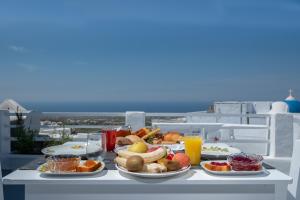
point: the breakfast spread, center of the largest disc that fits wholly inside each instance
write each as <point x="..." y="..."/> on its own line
<point x="151" y="153"/>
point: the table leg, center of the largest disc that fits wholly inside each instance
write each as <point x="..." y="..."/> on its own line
<point x="280" y="191"/>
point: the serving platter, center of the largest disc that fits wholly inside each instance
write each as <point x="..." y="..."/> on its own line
<point x="218" y="149"/>
<point x="154" y="175"/>
<point x="73" y="148"/>
<point x="43" y="170"/>
<point x="232" y="172"/>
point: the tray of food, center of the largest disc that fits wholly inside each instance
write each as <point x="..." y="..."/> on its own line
<point x="236" y="164"/>
<point x="70" y="165"/>
<point x="156" y="162"/>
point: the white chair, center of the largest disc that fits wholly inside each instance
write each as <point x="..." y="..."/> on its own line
<point x="294" y="188"/>
<point x="1" y="184"/>
<point x="279" y="107"/>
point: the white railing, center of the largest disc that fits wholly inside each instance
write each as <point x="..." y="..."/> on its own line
<point x="108" y="114"/>
<point x="279" y="127"/>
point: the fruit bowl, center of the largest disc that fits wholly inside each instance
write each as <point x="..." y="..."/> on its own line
<point x="245" y="162"/>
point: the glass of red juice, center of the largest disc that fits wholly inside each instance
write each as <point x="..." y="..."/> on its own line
<point x="109" y="140"/>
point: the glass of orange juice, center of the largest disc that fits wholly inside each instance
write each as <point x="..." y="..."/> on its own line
<point x="193" y="147"/>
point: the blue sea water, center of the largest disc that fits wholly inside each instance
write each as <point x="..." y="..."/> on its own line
<point x="116" y="106"/>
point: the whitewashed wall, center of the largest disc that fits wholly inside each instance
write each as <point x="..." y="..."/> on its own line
<point x="296" y="126"/>
<point x="4" y="132"/>
<point x="230" y="108"/>
<point x="281" y="134"/>
<point x="261" y="107"/>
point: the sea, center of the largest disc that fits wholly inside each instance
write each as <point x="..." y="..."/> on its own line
<point x="116" y="106"/>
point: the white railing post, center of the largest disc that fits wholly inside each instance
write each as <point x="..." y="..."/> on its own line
<point x="281" y="135"/>
<point x="135" y="120"/>
<point x="4" y="132"/>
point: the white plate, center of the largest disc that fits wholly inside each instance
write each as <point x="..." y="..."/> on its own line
<point x="68" y="148"/>
<point x="173" y="147"/>
<point x="231" y="150"/>
<point x="71" y="173"/>
<point x="232" y="172"/>
<point x="153" y="175"/>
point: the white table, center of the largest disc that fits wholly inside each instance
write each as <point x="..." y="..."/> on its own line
<point x="111" y="185"/>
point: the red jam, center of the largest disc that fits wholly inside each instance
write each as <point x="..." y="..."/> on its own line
<point x="245" y="162"/>
<point x="219" y="163"/>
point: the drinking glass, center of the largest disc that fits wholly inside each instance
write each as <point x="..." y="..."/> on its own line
<point x="109" y="139"/>
<point x="193" y="147"/>
<point x="94" y="146"/>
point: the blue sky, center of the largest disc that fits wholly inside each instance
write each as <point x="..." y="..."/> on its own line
<point x="149" y="50"/>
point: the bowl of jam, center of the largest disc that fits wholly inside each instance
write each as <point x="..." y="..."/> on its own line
<point x="245" y="162"/>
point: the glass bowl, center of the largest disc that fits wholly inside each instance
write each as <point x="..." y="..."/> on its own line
<point x="245" y="162"/>
<point x="63" y="163"/>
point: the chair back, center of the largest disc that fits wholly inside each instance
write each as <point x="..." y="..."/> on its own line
<point x="294" y="188"/>
<point x="279" y="107"/>
<point x="1" y="184"/>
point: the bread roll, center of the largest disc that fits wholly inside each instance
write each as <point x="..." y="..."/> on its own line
<point x="134" y="138"/>
<point x="172" y="137"/>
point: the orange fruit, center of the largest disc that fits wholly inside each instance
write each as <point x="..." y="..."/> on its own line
<point x="88" y="166"/>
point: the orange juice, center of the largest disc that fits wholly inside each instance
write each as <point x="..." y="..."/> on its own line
<point x="193" y="147"/>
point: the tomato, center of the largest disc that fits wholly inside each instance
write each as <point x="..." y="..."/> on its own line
<point x="170" y="156"/>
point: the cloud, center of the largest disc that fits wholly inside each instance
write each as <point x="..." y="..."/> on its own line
<point x="18" y="49"/>
<point x="27" y="67"/>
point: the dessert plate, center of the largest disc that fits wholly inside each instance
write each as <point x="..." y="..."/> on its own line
<point x="43" y="170"/>
<point x="231" y="172"/>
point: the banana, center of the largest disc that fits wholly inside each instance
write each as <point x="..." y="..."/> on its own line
<point x="151" y="133"/>
<point x="148" y="157"/>
<point x="148" y="167"/>
<point x="155" y="168"/>
<point x="121" y="161"/>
